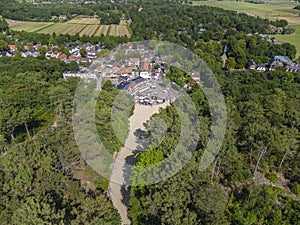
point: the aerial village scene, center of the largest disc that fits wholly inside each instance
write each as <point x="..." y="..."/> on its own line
<point x="136" y="69"/>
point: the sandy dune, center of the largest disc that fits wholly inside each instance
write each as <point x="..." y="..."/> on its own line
<point x="119" y="185"/>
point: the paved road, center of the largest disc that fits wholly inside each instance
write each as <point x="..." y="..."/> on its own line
<point x="119" y="185"/>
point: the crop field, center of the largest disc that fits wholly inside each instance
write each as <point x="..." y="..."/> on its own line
<point x="84" y="20"/>
<point x="29" y="26"/>
<point x="124" y="22"/>
<point x="272" y="10"/>
<point x="89" y="30"/>
<point x="118" y="30"/>
<point x="82" y="25"/>
<point x="63" y="28"/>
<point x="113" y="31"/>
<point x="123" y="31"/>
<point x="103" y="29"/>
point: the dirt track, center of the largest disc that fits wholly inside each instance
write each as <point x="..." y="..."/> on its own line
<point x="119" y="185"/>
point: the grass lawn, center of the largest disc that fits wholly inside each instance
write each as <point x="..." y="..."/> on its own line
<point x="291" y="38"/>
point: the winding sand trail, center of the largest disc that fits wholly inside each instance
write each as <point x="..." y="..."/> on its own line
<point x="118" y="185"/>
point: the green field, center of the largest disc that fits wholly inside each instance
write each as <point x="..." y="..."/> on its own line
<point x="30" y="26"/>
<point x="89" y="30"/>
<point x="84" y="20"/>
<point x="103" y="29"/>
<point x="81" y="24"/>
<point x="272" y="10"/>
<point x="291" y="38"/>
<point x="63" y="28"/>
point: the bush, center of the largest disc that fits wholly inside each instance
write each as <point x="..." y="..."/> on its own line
<point x="272" y="177"/>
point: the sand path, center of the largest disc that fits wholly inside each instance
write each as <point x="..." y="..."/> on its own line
<point x="119" y="187"/>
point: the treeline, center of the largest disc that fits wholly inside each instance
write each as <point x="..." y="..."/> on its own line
<point x="260" y="148"/>
<point x="21" y="37"/>
<point x="109" y="13"/>
<point x="174" y="20"/>
<point x="44" y="179"/>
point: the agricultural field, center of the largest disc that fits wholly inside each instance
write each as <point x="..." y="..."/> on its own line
<point x="272" y="10"/>
<point x="123" y="31"/>
<point x="82" y="25"/>
<point x="28" y="26"/>
<point x="84" y="20"/>
<point x="103" y="29"/>
<point x="118" y="30"/>
<point x="89" y="30"/>
<point x="63" y="28"/>
<point x="113" y="31"/>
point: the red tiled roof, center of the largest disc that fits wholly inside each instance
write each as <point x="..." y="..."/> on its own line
<point x="12" y="47"/>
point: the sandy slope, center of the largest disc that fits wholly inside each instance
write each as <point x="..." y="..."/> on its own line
<point x="119" y="180"/>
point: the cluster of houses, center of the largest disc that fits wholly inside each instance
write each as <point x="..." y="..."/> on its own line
<point x="53" y="52"/>
<point x="75" y="55"/>
<point x="118" y="69"/>
<point x="277" y="61"/>
<point x="60" y="17"/>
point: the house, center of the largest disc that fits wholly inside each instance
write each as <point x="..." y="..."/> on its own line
<point x="293" y="68"/>
<point x="145" y="75"/>
<point x="133" y="62"/>
<point x="261" y="67"/>
<point x="73" y="50"/>
<point x="26" y="47"/>
<point x="51" y="54"/>
<point x="12" y="48"/>
<point x="5" y="53"/>
<point x="274" y="64"/>
<point x="92" y="54"/>
<point x="88" y="47"/>
<point x="141" y="47"/>
<point x="284" y="59"/>
<point x="61" y="56"/>
<point x="63" y="17"/>
<point x="196" y="77"/>
<point x="251" y="65"/>
<point x="145" y="67"/>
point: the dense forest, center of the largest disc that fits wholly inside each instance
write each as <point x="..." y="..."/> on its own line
<point x="44" y="179"/>
<point x="108" y="13"/>
<point x="254" y="178"/>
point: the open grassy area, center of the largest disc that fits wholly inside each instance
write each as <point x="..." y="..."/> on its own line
<point x="63" y="28"/>
<point x="123" y="31"/>
<point x="291" y="38"/>
<point x="29" y="26"/>
<point x="89" y="30"/>
<point x="103" y="29"/>
<point x="272" y="10"/>
<point x="84" y="20"/>
<point x="81" y="24"/>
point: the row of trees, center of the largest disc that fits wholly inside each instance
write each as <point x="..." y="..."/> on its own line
<point x="109" y="13"/>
